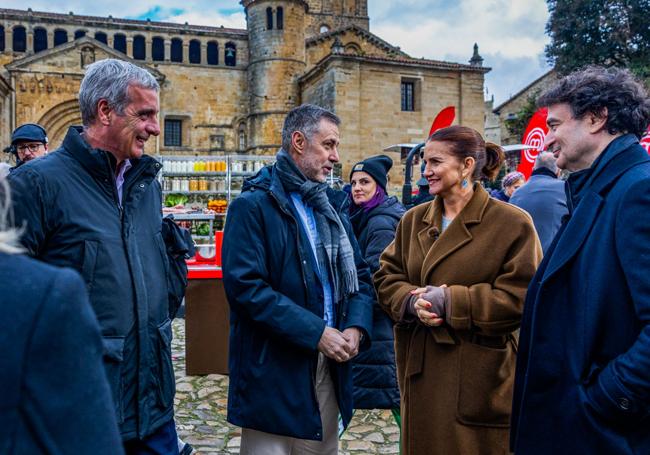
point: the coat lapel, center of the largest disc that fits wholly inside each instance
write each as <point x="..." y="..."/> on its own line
<point x="455" y="236"/>
<point x="575" y="233"/>
<point x="624" y="154"/>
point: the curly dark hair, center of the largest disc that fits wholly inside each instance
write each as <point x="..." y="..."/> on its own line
<point x="594" y="88"/>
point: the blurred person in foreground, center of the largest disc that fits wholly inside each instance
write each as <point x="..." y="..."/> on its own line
<point x="454" y="281"/>
<point x="55" y="396"/>
<point x="543" y="197"/>
<point x="95" y="205"/>
<point x="300" y="296"/>
<point x="374" y="217"/>
<point x="583" y="372"/>
<point x="511" y="182"/>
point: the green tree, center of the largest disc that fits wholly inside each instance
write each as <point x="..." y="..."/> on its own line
<point x="517" y="125"/>
<point x="603" y="32"/>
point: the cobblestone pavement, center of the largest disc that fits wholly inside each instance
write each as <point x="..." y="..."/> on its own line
<point x="201" y="414"/>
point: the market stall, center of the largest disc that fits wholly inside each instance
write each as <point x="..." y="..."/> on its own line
<point x="197" y="191"/>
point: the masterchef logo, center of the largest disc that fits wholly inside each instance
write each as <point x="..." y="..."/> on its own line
<point x="534" y="138"/>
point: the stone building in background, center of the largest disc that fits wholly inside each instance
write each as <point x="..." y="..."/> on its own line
<point x="508" y="109"/>
<point x="226" y="90"/>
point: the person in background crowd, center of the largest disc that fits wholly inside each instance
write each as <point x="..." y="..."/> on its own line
<point x="423" y="190"/>
<point x="374" y="217"/>
<point x="28" y="141"/>
<point x="454" y="280"/>
<point x="510" y="183"/>
<point x="300" y="296"/>
<point x="583" y="372"/>
<point x="55" y="395"/>
<point x="543" y="197"/>
<point x="95" y="205"/>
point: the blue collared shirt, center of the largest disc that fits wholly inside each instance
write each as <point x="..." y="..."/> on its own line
<point x="309" y="223"/>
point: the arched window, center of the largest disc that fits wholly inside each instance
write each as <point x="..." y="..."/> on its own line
<point x="119" y="42"/>
<point x="40" y="39"/>
<point x="158" y="49"/>
<point x="176" y="50"/>
<point x="60" y="37"/>
<point x="213" y="53"/>
<point x="324" y="28"/>
<point x="139" y="47"/>
<point x="79" y="34"/>
<point x="242" y="136"/>
<point x="269" y="18"/>
<point x="195" y="51"/>
<point x="2" y="38"/>
<point x="279" y="21"/>
<point x="19" y="39"/>
<point x="231" y="54"/>
<point x="101" y="37"/>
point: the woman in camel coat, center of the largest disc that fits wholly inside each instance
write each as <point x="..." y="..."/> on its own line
<point x="454" y="280"/>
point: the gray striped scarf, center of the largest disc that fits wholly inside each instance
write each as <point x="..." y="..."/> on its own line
<point x="328" y="224"/>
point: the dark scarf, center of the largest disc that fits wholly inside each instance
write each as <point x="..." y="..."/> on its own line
<point x="339" y="251"/>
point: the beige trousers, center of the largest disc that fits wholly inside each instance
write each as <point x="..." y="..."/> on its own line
<point x="255" y="442"/>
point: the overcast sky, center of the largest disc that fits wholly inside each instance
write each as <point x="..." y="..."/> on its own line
<point x="510" y="33"/>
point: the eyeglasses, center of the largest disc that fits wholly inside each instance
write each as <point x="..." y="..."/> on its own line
<point x="22" y="148"/>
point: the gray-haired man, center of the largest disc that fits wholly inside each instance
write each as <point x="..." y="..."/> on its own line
<point x="94" y="205"/>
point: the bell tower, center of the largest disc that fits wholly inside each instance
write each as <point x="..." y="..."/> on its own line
<point x="276" y="46"/>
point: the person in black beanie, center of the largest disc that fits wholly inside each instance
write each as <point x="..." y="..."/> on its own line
<point x="374" y="218"/>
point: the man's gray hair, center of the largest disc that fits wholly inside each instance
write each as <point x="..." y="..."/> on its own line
<point x="547" y="160"/>
<point x="110" y="80"/>
<point x="306" y="119"/>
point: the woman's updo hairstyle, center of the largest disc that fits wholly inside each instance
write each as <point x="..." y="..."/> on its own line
<point x="466" y="142"/>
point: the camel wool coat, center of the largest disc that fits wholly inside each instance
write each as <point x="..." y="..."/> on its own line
<point x="456" y="380"/>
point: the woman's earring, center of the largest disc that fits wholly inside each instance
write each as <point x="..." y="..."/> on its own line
<point x="464" y="183"/>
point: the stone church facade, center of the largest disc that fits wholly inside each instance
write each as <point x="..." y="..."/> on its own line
<point x="226" y="91"/>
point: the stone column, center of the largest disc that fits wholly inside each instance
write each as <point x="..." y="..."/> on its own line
<point x="168" y="49"/>
<point x="9" y="40"/>
<point x="204" y="53"/>
<point x="147" y="48"/>
<point x="110" y="41"/>
<point x="50" y="39"/>
<point x="186" y="51"/>
<point x="129" y="46"/>
<point x="30" y="40"/>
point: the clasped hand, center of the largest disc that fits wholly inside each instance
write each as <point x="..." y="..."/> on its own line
<point x="429" y="304"/>
<point x="340" y="346"/>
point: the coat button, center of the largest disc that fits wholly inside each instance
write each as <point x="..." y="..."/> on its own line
<point x="624" y="404"/>
<point x="142" y="185"/>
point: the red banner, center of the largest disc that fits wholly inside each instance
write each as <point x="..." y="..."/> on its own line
<point x="645" y="140"/>
<point x="533" y="136"/>
<point x="444" y="119"/>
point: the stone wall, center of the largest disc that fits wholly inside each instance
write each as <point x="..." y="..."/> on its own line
<point x="367" y="97"/>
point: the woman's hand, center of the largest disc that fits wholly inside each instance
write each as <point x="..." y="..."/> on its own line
<point x="429" y="305"/>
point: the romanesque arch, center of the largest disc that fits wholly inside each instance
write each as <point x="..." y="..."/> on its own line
<point x="57" y="120"/>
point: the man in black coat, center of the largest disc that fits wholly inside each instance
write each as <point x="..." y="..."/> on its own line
<point x="582" y="382"/>
<point x="55" y="395"/>
<point x="300" y="296"/>
<point x="543" y="197"/>
<point x="95" y="206"/>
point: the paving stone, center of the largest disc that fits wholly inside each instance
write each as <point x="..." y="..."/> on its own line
<point x="234" y="442"/>
<point x="365" y="446"/>
<point x="374" y="437"/>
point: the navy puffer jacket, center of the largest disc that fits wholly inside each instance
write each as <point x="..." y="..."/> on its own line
<point x="375" y="380"/>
